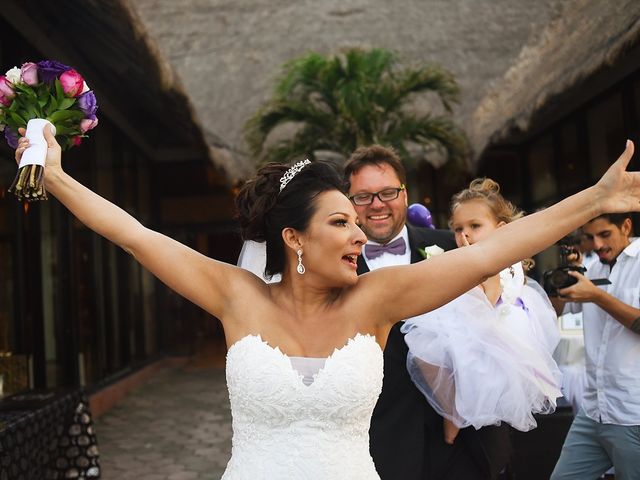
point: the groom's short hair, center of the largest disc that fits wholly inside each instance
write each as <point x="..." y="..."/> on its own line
<point x="374" y="155"/>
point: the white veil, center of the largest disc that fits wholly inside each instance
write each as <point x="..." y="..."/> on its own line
<point x="253" y="257"/>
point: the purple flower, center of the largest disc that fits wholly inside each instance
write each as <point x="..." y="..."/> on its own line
<point x="88" y="104"/>
<point x="49" y="70"/>
<point x="11" y="137"/>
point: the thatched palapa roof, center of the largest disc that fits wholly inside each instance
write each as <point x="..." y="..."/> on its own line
<point x="134" y="83"/>
<point x="197" y="69"/>
<point x="586" y="38"/>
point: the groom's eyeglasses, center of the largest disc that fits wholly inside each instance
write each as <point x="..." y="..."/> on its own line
<point x="385" y="195"/>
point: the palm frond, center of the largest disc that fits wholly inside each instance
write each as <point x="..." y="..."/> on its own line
<point x="300" y="72"/>
<point x="355" y="98"/>
<point x="304" y="144"/>
<point x="276" y="113"/>
<point x="435" y="132"/>
<point x="310" y="78"/>
<point x="415" y="81"/>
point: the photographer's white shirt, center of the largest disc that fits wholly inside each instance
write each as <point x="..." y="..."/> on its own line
<point x="612" y="393"/>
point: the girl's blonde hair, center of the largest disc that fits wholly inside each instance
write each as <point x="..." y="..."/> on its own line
<point x="488" y="191"/>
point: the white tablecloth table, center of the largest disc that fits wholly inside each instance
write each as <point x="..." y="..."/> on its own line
<point x="569" y="355"/>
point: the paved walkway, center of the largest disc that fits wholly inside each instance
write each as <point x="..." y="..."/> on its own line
<point x="176" y="426"/>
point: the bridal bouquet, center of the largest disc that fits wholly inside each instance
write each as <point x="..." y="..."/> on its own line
<point x="33" y="96"/>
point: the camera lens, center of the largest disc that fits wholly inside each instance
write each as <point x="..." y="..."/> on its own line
<point x="560" y="279"/>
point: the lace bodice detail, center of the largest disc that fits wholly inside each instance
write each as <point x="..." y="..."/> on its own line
<point x="307" y="368"/>
<point x="284" y="429"/>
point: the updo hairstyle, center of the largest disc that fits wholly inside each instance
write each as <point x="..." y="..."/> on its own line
<point x="488" y="191"/>
<point x="263" y="211"/>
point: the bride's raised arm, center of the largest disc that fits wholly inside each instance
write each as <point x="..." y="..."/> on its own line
<point x="206" y="282"/>
<point x="397" y="293"/>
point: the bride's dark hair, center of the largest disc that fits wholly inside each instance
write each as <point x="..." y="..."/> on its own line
<point x="264" y="211"/>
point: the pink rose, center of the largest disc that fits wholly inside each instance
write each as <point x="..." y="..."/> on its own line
<point x="88" y="124"/>
<point x="72" y="83"/>
<point x="5" y="88"/>
<point x="6" y="102"/>
<point x="29" y="73"/>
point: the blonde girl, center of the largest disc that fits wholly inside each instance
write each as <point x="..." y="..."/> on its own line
<point x="485" y="357"/>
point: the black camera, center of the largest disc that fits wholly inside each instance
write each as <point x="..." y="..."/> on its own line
<point x="558" y="278"/>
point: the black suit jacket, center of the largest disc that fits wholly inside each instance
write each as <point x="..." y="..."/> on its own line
<point x="406" y="434"/>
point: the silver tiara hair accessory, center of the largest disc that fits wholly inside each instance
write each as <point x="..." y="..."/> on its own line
<point x="292" y="172"/>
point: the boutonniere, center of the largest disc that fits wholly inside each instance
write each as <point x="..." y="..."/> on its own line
<point x="430" y="251"/>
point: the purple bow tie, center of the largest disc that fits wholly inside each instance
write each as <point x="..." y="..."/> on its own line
<point x="397" y="247"/>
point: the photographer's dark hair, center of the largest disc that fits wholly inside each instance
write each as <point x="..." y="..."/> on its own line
<point x="263" y="211"/>
<point x="616" y="219"/>
<point x="374" y="155"/>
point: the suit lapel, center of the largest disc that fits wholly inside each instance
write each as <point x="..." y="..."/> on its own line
<point x="414" y="244"/>
<point x="362" y="265"/>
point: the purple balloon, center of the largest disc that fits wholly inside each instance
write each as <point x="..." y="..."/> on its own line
<point x="420" y="216"/>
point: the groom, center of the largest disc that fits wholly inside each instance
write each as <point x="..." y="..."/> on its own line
<point x="406" y="435"/>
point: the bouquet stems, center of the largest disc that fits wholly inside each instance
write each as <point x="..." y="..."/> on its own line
<point x="29" y="182"/>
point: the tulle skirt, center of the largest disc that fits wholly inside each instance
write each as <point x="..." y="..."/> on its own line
<point x="481" y="365"/>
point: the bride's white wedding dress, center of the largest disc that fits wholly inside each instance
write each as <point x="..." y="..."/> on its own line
<point x="286" y="429"/>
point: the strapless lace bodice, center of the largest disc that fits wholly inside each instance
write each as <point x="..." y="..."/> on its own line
<point x="284" y="429"/>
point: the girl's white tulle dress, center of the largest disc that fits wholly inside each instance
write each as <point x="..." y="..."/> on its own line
<point x="479" y="364"/>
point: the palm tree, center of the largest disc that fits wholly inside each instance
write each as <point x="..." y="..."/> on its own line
<point x="340" y="102"/>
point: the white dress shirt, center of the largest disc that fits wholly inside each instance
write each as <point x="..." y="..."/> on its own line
<point x="389" y="259"/>
<point x="612" y="392"/>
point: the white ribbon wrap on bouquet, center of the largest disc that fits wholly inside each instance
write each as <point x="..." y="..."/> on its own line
<point x="37" y="151"/>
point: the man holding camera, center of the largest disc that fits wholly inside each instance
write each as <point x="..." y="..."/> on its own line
<point x="606" y="431"/>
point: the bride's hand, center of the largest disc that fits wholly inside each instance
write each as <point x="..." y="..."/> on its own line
<point x="619" y="190"/>
<point x="53" y="159"/>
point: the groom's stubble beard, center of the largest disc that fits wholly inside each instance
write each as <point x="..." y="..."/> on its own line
<point x="385" y="235"/>
<point x="374" y="178"/>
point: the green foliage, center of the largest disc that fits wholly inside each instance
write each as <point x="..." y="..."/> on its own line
<point x="42" y="101"/>
<point x="361" y="97"/>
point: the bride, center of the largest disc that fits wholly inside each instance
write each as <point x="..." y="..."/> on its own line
<point x="304" y="366"/>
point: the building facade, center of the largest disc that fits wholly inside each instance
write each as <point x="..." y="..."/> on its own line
<point x="570" y="142"/>
<point x="74" y="308"/>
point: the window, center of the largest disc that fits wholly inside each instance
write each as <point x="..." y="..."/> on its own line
<point x="606" y="133"/>
<point x="572" y="166"/>
<point x="540" y="161"/>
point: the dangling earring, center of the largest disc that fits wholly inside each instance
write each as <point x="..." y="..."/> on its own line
<point x="300" y="267"/>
